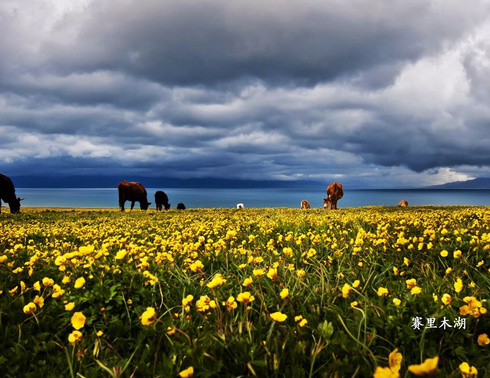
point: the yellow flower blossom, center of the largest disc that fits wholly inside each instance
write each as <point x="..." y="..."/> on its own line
<point x="444" y="253"/>
<point x="346" y="290"/>
<point x="284" y="293"/>
<point x="446" y="299"/>
<point x="216" y="281"/>
<point x="39" y="301"/>
<point x="79" y="283"/>
<point x="395" y="360"/>
<point x="483" y="340"/>
<point x="78" y="320"/>
<point x="37" y="286"/>
<point x="458" y="285"/>
<point x="278" y="317"/>
<point x="245" y="297"/>
<point x="148" y="317"/>
<point x="382" y="291"/>
<point x="272" y="273"/>
<point x="30" y="308"/>
<point x="248" y="281"/>
<point x="428" y="367"/>
<point x="397" y="302"/>
<point x="70" y="306"/>
<point x="75" y="337"/>
<point x="187" y="373"/>
<point x="416" y="290"/>
<point x="468" y="371"/>
<point x="258" y="272"/>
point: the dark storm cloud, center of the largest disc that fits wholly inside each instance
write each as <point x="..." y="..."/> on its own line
<point x="210" y="42"/>
<point x="355" y="91"/>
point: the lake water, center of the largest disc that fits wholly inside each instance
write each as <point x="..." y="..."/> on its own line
<point x="206" y="198"/>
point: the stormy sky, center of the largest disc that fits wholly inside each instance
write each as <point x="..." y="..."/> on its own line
<point x="374" y="93"/>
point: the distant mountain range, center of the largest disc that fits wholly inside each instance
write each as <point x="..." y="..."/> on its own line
<point x="156" y="182"/>
<point x="478" y="183"/>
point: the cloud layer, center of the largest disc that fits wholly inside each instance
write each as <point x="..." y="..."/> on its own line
<point x="382" y="93"/>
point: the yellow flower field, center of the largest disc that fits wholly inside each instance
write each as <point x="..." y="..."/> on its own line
<point x="260" y="292"/>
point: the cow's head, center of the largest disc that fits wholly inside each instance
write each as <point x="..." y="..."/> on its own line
<point x="167" y="206"/>
<point x="326" y="203"/>
<point x="15" y="205"/>
<point x="144" y="205"/>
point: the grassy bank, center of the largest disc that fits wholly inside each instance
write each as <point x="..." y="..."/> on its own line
<point x="261" y="292"/>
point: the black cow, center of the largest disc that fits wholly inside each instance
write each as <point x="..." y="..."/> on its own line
<point x="180" y="206"/>
<point x="7" y="194"/>
<point x="132" y="191"/>
<point x="161" y="199"/>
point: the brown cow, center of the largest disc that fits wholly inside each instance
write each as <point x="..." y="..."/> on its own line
<point x="161" y="200"/>
<point x="305" y="204"/>
<point x="132" y="191"/>
<point x="403" y="203"/>
<point x="7" y="194"/>
<point x="334" y="193"/>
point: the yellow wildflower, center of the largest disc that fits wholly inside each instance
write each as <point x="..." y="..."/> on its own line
<point x="411" y="283"/>
<point x="483" y="340"/>
<point x="346" y="290"/>
<point x="444" y="253"/>
<point x="48" y="281"/>
<point x="79" y="283"/>
<point x="216" y="281"/>
<point x="75" y="337"/>
<point x="187" y="373"/>
<point x="356" y="283"/>
<point x="70" y="306"/>
<point x="245" y="297"/>
<point x="395" y="361"/>
<point x="458" y="285"/>
<point x="446" y="299"/>
<point x="416" y="290"/>
<point x="468" y="371"/>
<point x="284" y="293"/>
<point x="37" y="286"/>
<point x="457" y="254"/>
<point x="121" y="254"/>
<point x="230" y="303"/>
<point x="385" y="372"/>
<point x="397" y="302"/>
<point x="278" y="316"/>
<point x="272" y="273"/>
<point x="78" y="320"/>
<point x="29" y="308"/>
<point x="258" y="272"/>
<point x="39" y="301"/>
<point x="149" y="316"/>
<point x="428" y="367"/>
<point x="382" y="291"/>
<point x="248" y="281"/>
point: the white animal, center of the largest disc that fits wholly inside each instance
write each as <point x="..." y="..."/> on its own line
<point x="240" y="206"/>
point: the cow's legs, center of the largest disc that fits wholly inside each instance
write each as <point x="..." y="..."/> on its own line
<point x="334" y="205"/>
<point x="132" y="204"/>
<point x="121" y="204"/>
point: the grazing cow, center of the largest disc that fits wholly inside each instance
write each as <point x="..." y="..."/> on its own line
<point x="132" y="191"/>
<point x="403" y="203"/>
<point x="180" y="206"/>
<point x="240" y="206"/>
<point x="7" y="194"/>
<point x="305" y="204"/>
<point x="334" y="193"/>
<point x="161" y="199"/>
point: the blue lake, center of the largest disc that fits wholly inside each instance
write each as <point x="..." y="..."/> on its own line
<point x="206" y="198"/>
